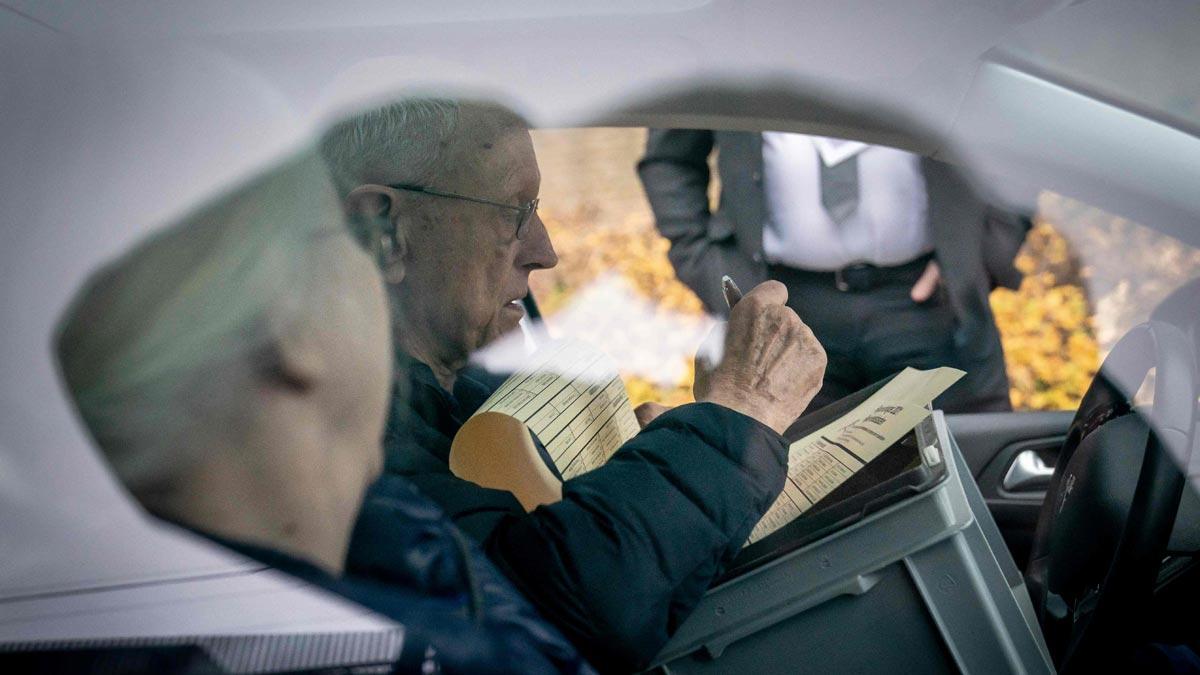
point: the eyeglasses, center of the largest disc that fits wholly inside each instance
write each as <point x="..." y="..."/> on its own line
<point x="524" y="211"/>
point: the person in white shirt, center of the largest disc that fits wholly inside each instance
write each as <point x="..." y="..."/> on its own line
<point x="889" y="257"/>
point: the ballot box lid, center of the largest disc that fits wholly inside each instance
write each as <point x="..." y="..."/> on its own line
<point x="910" y="466"/>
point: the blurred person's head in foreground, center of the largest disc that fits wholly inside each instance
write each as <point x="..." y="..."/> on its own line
<point x="446" y="191"/>
<point x="234" y="368"/>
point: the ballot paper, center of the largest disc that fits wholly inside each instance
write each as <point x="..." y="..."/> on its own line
<point x="824" y="459"/>
<point x="572" y="398"/>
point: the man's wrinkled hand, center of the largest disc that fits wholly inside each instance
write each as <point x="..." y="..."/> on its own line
<point x="772" y="365"/>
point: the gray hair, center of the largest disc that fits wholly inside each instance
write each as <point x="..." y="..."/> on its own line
<point x="149" y="344"/>
<point x="403" y="142"/>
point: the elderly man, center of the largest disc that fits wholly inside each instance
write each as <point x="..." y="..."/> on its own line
<point x="234" y="371"/>
<point x="623" y="558"/>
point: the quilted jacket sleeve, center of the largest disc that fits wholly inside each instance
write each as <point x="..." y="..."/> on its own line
<point x="633" y="545"/>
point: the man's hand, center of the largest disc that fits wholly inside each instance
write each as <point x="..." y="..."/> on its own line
<point x="927" y="284"/>
<point x="772" y="365"/>
<point x="648" y="411"/>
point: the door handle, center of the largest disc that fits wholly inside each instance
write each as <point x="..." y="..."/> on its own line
<point x="1028" y="473"/>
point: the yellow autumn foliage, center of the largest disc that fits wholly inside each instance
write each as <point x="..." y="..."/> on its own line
<point x="1049" y="343"/>
<point x="631" y="248"/>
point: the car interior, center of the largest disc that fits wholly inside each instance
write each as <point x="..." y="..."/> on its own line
<point x="1033" y="541"/>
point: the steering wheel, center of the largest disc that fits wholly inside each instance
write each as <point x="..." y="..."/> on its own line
<point x="1109" y="511"/>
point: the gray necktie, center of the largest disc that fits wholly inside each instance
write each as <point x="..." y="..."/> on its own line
<point x="839" y="187"/>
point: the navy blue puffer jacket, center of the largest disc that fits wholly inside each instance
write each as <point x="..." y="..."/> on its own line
<point x="624" y="558"/>
<point x="404" y="540"/>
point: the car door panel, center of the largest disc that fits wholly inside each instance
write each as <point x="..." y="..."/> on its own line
<point x="1021" y="447"/>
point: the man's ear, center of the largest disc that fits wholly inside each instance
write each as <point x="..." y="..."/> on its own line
<point x="375" y="211"/>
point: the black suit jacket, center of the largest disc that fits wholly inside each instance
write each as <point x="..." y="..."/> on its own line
<point x="974" y="245"/>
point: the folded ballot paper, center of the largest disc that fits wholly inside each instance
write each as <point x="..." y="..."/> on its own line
<point x="571" y="397"/>
<point x="573" y="400"/>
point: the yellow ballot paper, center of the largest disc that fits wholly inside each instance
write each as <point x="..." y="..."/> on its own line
<point x="824" y="459"/>
<point x="572" y="398"/>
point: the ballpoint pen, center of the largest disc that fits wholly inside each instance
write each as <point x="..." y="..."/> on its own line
<point x="732" y="292"/>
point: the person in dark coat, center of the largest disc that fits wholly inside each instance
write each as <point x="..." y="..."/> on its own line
<point x="627" y="553"/>
<point x="889" y="257"/>
<point x="234" y="369"/>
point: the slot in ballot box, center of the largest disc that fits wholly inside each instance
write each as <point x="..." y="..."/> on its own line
<point x="899" y="572"/>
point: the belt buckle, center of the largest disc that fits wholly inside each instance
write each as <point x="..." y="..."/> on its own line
<point x="860" y="278"/>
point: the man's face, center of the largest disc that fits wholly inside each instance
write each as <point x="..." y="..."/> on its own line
<point x="466" y="270"/>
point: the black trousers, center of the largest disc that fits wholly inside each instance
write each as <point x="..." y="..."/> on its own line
<point x="871" y="328"/>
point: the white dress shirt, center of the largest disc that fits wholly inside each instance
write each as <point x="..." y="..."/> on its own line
<point x="889" y="227"/>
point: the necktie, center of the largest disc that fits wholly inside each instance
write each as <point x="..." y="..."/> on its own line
<point x="839" y="187"/>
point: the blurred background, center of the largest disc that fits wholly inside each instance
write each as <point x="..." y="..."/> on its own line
<point x="1089" y="277"/>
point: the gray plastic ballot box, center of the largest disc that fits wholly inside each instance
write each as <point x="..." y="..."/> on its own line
<point x="922" y="585"/>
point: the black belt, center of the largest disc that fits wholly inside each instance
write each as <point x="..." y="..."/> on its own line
<point x="855" y="278"/>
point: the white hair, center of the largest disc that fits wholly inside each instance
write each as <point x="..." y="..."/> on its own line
<point x="145" y="344"/>
<point x="403" y="142"/>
